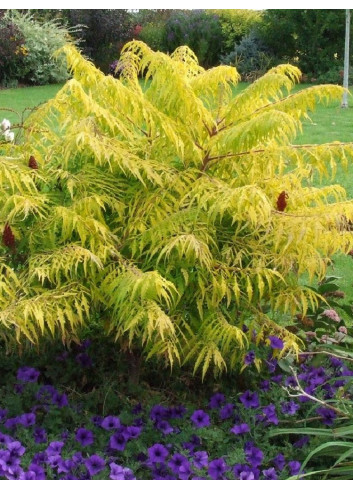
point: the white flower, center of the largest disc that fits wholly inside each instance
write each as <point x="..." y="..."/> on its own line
<point x="9" y="136"/>
<point x="5" y="125"/>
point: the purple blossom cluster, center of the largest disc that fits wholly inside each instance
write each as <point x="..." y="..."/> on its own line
<point x="166" y="442"/>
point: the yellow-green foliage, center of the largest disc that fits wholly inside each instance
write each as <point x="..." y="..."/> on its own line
<point x="160" y="210"/>
<point x="236" y="23"/>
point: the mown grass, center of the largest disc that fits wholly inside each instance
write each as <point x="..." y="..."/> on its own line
<point x="19" y="100"/>
<point x="327" y="124"/>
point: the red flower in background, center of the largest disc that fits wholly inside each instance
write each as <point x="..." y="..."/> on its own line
<point x="137" y="30"/>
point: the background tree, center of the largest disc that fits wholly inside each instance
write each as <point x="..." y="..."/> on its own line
<point x="311" y="38"/>
<point x="235" y="24"/>
<point x="199" y="31"/>
<point x="103" y="32"/>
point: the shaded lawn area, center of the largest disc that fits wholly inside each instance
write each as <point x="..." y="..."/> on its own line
<point x="328" y="123"/>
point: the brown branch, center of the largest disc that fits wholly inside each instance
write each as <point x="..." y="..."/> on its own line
<point x="9" y="110"/>
<point x="292" y="146"/>
<point x="137" y="127"/>
<point x="205" y="162"/>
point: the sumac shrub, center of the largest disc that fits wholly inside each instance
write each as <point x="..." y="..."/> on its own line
<point x="181" y="216"/>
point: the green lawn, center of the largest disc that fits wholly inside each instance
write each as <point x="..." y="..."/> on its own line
<point x="327" y="124"/>
<point x="20" y="99"/>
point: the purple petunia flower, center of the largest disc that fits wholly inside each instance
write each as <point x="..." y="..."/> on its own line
<point x="200" y="459"/>
<point x="45" y="393"/>
<point x="316" y="377"/>
<point x="276" y="343"/>
<point x="249" y="357"/>
<point x="217" y="468"/>
<point x="185" y="472"/>
<point x="336" y="362"/>
<point x="200" y="419"/>
<point x="328" y="415"/>
<point x="164" y="427"/>
<point x="117" y="472"/>
<point x="84" y="437"/>
<point x="54" y="448"/>
<point x="192" y="444"/>
<point x="11" y="423"/>
<point x="84" y="360"/>
<point x="157" y="453"/>
<point x="118" y="441"/>
<point x="40" y="458"/>
<point x="97" y="420"/>
<point x="158" y="412"/>
<point x="270" y="414"/>
<point x="65" y="435"/>
<point x="64" y="466"/>
<point x="54" y="461"/>
<point x="250" y="399"/>
<point x="177" y="461"/>
<point x="346" y="372"/>
<point x="265" y="385"/>
<point x="3" y="414"/>
<point x="15" y="449"/>
<point x="330" y="391"/>
<point x="14" y="473"/>
<point x="28" y="476"/>
<point x="304" y="440"/>
<point x="271" y="365"/>
<point x="240" y="429"/>
<point x="289" y="407"/>
<point x="5" y="439"/>
<point x="217" y="400"/>
<point x="294" y="467"/>
<point x="19" y="388"/>
<point x="254" y="456"/>
<point x="178" y="412"/>
<point x="94" y="464"/>
<point x="277" y="379"/>
<point x="270" y="474"/>
<point x="279" y="461"/>
<point x="77" y="458"/>
<point x="227" y="411"/>
<point x="239" y="468"/>
<point x="110" y="423"/>
<point x="133" y="431"/>
<point x="27" y="374"/>
<point x="60" y="399"/>
<point x="40" y="435"/>
<point x="247" y="476"/>
<point x="27" y="419"/>
<point x="38" y="470"/>
<point x="85" y="344"/>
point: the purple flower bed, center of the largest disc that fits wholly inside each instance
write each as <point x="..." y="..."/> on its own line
<point x="45" y="435"/>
